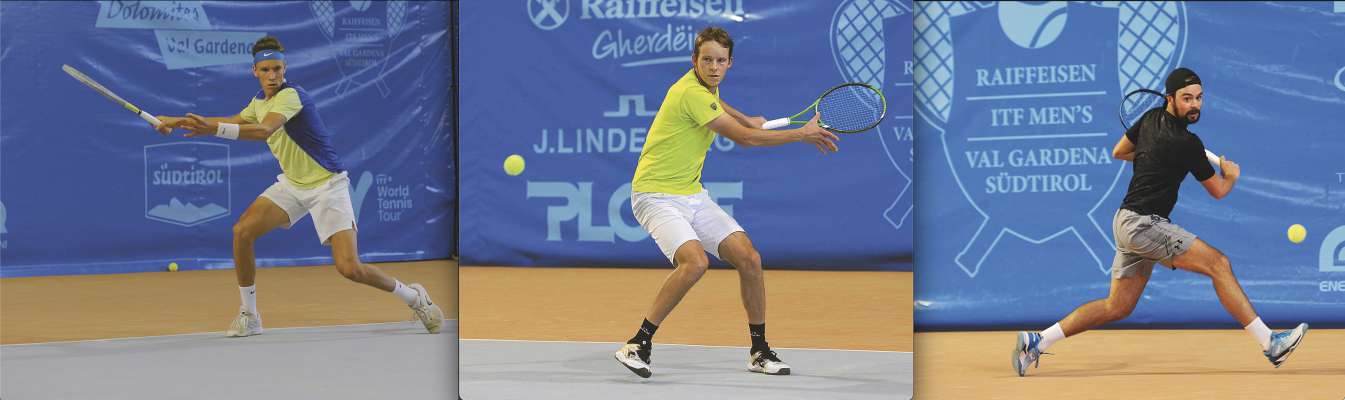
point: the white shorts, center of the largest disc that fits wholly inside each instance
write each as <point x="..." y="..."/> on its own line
<point x="329" y="204"/>
<point x="676" y="219"/>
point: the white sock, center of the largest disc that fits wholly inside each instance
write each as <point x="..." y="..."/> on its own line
<point x="1050" y="336"/>
<point x="406" y="293"/>
<point x="249" y="295"/>
<point x="1260" y="331"/>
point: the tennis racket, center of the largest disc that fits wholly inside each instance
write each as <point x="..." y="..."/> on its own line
<point x="1140" y="101"/>
<point x="87" y="81"/>
<point x="847" y="108"/>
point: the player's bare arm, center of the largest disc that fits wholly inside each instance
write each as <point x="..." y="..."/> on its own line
<point x="744" y="136"/>
<point x="1219" y="186"/>
<point x="170" y="123"/>
<point x="197" y="125"/>
<point x="750" y="122"/>
<point x="1124" y="149"/>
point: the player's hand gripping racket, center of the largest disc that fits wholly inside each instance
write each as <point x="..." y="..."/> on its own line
<point x="1140" y="101"/>
<point x="87" y="81"/>
<point x="847" y="108"/>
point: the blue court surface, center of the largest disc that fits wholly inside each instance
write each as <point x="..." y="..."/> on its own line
<point x="506" y="369"/>
<point x="373" y="361"/>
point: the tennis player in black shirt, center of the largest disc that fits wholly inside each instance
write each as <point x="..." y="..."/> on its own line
<point x="1163" y="151"/>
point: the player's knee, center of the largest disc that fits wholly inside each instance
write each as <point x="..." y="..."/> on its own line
<point x="243" y="231"/>
<point x="1221" y="265"/>
<point x="694" y="266"/>
<point x="351" y="269"/>
<point x="749" y="265"/>
<point x="1118" y="310"/>
<point x="751" y="259"/>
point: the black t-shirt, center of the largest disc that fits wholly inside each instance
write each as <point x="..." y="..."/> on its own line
<point x="1164" y="152"/>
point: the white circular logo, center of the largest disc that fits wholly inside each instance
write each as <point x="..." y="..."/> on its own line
<point x="1032" y="26"/>
<point x="548" y="14"/>
<point x="1340" y="84"/>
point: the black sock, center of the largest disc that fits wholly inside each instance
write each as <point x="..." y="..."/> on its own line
<point x="645" y="334"/>
<point x="758" y="333"/>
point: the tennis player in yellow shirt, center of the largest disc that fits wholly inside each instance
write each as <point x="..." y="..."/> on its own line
<point x="313" y="182"/>
<point x="669" y="202"/>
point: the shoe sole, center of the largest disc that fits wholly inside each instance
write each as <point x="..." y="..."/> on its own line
<point x="782" y="371"/>
<point x="1285" y="357"/>
<point x="1018" y="350"/>
<point x="436" y="323"/>
<point x="642" y="372"/>
<point x="227" y="334"/>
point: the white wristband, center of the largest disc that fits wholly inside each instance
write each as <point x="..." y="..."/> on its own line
<point x="227" y="131"/>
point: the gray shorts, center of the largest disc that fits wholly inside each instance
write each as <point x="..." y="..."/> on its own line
<point x="1142" y="240"/>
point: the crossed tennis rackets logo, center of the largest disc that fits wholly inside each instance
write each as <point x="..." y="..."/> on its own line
<point x="867" y="48"/>
<point x="1007" y="167"/>
<point x="545" y="15"/>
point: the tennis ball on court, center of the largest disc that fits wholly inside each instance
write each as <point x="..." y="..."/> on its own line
<point x="1297" y="233"/>
<point x="513" y="165"/>
<point x="172" y="267"/>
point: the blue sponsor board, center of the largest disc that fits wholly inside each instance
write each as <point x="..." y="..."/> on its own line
<point x="1016" y="119"/>
<point x="89" y="188"/>
<point x="573" y="86"/>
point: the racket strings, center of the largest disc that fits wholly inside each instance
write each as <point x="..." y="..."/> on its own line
<point x="851" y="108"/>
<point x="1135" y="105"/>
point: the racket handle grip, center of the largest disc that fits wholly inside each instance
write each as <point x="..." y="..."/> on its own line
<point x="1214" y="159"/>
<point x="775" y="123"/>
<point x="150" y="119"/>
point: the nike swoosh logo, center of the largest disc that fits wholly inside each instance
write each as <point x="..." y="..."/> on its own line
<point x="266" y="54"/>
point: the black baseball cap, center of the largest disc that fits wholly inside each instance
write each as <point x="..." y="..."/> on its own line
<point x="1180" y="78"/>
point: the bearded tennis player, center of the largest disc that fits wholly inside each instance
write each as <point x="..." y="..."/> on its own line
<point x="312" y="181"/>
<point x="669" y="202"/>
<point x="1163" y="151"/>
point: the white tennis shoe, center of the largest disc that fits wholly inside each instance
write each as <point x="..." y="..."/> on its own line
<point x="245" y="324"/>
<point x="425" y="310"/>
<point x="768" y="363"/>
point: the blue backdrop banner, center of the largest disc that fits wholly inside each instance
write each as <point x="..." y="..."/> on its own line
<point x="90" y="188"/>
<point x="573" y="85"/>
<point x="1017" y="116"/>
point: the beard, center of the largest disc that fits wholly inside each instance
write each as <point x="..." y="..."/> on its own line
<point x="1192" y="116"/>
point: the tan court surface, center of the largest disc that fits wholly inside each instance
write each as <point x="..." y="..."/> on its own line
<point x="62" y="308"/>
<point x="861" y="310"/>
<point x="1130" y="364"/>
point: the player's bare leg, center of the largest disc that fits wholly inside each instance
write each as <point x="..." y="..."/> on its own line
<point x="1206" y="260"/>
<point x="690" y="264"/>
<point x="737" y="249"/>
<point x="261" y="217"/>
<point x="1121" y="299"/>
<point x="345" y="254"/>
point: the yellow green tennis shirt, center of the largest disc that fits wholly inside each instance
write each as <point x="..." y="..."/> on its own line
<point x="674" y="150"/>
<point x="299" y="168"/>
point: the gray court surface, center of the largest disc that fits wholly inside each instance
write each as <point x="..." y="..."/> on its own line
<point x="375" y="361"/>
<point x="496" y="369"/>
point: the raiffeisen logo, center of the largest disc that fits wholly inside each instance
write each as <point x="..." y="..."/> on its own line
<point x="631" y="9"/>
<point x="651" y="44"/>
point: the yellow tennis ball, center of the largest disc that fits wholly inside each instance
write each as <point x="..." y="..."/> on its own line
<point x="172" y="267"/>
<point x="1297" y="233"/>
<point x="513" y="165"/>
